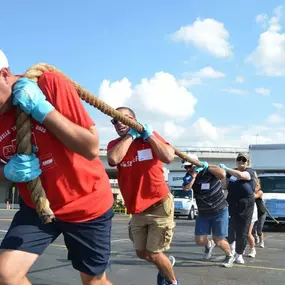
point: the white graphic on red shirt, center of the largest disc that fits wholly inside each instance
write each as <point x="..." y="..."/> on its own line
<point x="129" y="163"/>
<point x="47" y="161"/>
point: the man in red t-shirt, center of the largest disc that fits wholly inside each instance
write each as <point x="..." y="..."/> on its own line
<point x="71" y="172"/>
<point x="139" y="160"/>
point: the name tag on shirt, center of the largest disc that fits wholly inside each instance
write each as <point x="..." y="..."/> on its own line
<point x="145" y="154"/>
<point x="233" y="179"/>
<point x="205" y="186"/>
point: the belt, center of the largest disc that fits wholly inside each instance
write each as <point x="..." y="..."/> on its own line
<point x="157" y="204"/>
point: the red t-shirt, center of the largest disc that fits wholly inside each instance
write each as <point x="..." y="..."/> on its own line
<point x="78" y="189"/>
<point x="141" y="182"/>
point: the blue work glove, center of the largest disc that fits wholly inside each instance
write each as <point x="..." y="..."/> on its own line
<point x="31" y="99"/>
<point x="187" y="179"/>
<point x="22" y="168"/>
<point x="147" y="132"/>
<point x="134" y="134"/>
<point x="204" y="167"/>
<point x="224" y="166"/>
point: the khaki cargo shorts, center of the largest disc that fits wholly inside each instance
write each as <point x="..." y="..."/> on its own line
<point x="153" y="229"/>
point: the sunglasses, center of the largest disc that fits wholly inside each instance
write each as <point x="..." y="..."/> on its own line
<point x="188" y="166"/>
<point x="243" y="159"/>
<point x="114" y="121"/>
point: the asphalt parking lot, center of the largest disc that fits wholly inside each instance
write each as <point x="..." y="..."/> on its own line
<point x="53" y="268"/>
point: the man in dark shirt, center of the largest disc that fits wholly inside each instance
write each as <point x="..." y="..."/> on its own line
<point x="213" y="215"/>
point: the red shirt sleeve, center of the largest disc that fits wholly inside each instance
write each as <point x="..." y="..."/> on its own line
<point x="63" y="96"/>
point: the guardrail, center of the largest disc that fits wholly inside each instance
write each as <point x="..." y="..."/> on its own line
<point x="202" y="149"/>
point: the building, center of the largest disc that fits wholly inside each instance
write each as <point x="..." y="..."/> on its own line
<point x="213" y="155"/>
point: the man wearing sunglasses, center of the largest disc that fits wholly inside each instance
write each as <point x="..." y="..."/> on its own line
<point x="241" y="187"/>
<point x="139" y="159"/>
<point x="213" y="215"/>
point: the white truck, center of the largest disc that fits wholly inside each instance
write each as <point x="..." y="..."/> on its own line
<point x="268" y="160"/>
<point x="184" y="201"/>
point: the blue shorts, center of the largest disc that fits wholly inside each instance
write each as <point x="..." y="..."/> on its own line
<point x="88" y="243"/>
<point x="216" y="225"/>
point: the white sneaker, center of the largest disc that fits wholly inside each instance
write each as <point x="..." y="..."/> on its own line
<point x="208" y="250"/>
<point x="261" y="244"/>
<point x="233" y="248"/>
<point x="239" y="259"/>
<point x="229" y="261"/>
<point x="172" y="260"/>
<point x="252" y="253"/>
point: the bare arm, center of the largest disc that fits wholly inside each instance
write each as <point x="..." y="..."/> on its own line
<point x="76" y="138"/>
<point x="241" y="175"/>
<point x="218" y="172"/>
<point x="258" y="194"/>
<point x="163" y="151"/>
<point x="118" y="152"/>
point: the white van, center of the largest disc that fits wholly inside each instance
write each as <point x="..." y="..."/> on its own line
<point x="184" y="204"/>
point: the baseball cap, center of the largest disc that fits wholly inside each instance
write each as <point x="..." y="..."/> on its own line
<point x="243" y="154"/>
<point x="185" y="163"/>
<point x="3" y="60"/>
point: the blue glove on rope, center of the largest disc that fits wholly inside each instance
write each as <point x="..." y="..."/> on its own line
<point x="31" y="99"/>
<point x="224" y="166"/>
<point x="204" y="167"/>
<point x="22" y="168"/>
<point x="147" y="132"/>
<point x="134" y="134"/>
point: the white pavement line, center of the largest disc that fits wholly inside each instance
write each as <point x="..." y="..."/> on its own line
<point x="3" y="231"/>
<point x="120" y="240"/>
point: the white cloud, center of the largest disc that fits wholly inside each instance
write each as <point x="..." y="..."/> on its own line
<point x="261" y="18"/>
<point x="235" y="91"/>
<point x="188" y="82"/>
<point x="163" y="95"/>
<point x="205" y="130"/>
<point x="117" y="93"/>
<point x="172" y="130"/>
<point x="239" y="79"/>
<point x="278" y="106"/>
<point x="275" y="119"/>
<point x="209" y="72"/>
<point x="195" y="78"/>
<point x="208" y="34"/>
<point x="269" y="55"/>
<point x="263" y="91"/>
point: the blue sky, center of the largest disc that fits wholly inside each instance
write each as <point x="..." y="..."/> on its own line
<point x="111" y="40"/>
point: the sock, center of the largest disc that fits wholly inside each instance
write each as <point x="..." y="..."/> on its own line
<point x="209" y="244"/>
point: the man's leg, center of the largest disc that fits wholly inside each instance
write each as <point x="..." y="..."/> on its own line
<point x="25" y="240"/>
<point x="14" y="265"/>
<point x="202" y="230"/>
<point x="160" y="233"/>
<point x="89" y="247"/>
<point x="220" y="227"/>
<point x="161" y="261"/>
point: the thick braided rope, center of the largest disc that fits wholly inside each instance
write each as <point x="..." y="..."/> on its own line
<point x="24" y="135"/>
<point x="24" y="145"/>
<point x="37" y="70"/>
